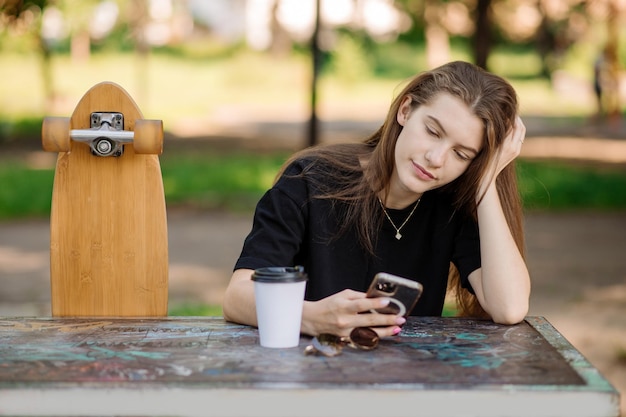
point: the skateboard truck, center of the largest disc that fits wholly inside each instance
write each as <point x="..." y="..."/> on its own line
<point x="106" y="136"/>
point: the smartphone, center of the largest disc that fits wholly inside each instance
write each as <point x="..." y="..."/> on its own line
<point x="402" y="292"/>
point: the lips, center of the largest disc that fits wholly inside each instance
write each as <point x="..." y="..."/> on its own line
<point x="422" y="173"/>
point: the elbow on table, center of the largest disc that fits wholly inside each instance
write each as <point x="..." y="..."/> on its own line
<point x="227" y="309"/>
<point x="226" y="314"/>
<point x="235" y="310"/>
<point x="510" y="316"/>
<point x="231" y="314"/>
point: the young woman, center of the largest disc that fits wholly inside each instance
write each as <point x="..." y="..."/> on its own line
<point x="431" y="196"/>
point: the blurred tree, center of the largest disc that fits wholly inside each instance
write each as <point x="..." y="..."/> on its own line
<point x="438" y="21"/>
<point x="552" y="26"/>
<point x="437" y="38"/>
<point x="427" y="26"/>
<point x="612" y="88"/>
<point x="553" y="36"/>
<point x="78" y="17"/>
<point x="26" y="18"/>
<point x="137" y="19"/>
<point x="281" y="41"/>
<point x="482" y="35"/>
<point x="313" y="135"/>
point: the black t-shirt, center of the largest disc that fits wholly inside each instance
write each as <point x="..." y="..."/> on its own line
<point x="292" y="227"/>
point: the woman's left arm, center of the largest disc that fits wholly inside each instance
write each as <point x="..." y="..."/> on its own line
<point x="502" y="284"/>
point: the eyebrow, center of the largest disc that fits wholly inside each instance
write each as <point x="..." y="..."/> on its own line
<point x="440" y="127"/>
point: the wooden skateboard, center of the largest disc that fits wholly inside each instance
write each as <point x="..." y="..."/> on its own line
<point x="108" y="223"/>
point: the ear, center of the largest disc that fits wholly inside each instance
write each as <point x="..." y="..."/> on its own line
<point x="404" y="111"/>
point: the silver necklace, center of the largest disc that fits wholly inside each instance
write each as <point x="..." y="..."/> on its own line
<point x="398" y="234"/>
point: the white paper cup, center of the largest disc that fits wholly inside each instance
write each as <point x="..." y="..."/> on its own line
<point x="279" y="297"/>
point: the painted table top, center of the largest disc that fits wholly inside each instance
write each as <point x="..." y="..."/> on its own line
<point x="206" y="366"/>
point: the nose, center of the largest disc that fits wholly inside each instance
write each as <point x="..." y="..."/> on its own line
<point x="436" y="156"/>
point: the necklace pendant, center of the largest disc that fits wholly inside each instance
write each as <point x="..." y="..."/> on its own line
<point x="398" y="234"/>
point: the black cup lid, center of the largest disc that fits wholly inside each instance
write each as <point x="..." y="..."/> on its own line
<point x="279" y="274"/>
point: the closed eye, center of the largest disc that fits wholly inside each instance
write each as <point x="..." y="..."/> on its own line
<point x="463" y="155"/>
<point x="432" y="132"/>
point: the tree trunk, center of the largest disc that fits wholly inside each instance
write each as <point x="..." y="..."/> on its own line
<point x="80" y="47"/>
<point x="482" y="36"/>
<point x="612" y="88"/>
<point x="46" y="75"/>
<point x="315" y="61"/>
<point x="280" y="45"/>
<point x="437" y="39"/>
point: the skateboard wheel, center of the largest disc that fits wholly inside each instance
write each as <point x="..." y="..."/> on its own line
<point x="148" y="136"/>
<point x="55" y="134"/>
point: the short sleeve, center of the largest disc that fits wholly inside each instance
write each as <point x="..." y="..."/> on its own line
<point x="279" y="224"/>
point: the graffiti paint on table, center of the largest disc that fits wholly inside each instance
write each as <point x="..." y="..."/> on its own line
<point x="210" y="351"/>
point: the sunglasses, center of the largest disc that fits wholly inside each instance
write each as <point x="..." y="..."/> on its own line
<point x="363" y="338"/>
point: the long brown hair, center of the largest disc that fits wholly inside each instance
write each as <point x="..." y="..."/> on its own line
<point x="492" y="99"/>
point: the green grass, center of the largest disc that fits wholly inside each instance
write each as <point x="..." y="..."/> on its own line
<point x="25" y="192"/>
<point x="450" y="309"/>
<point x="235" y="182"/>
<point x="557" y="186"/>
<point x="224" y="181"/>
<point x="193" y="309"/>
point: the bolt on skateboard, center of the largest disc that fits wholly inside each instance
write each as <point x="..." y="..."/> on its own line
<point x="108" y="223"/>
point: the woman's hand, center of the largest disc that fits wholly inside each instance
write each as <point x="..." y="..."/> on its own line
<point x="510" y="149"/>
<point x="339" y="313"/>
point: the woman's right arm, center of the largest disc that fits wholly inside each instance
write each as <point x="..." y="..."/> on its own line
<point x="336" y="314"/>
<point x="239" y="305"/>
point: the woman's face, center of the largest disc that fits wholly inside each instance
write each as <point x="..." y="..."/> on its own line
<point x="436" y="145"/>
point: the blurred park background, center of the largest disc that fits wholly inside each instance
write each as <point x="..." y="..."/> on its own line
<point x="240" y="84"/>
<point x="263" y="72"/>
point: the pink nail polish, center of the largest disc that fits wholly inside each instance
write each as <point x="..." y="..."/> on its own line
<point x="396" y="330"/>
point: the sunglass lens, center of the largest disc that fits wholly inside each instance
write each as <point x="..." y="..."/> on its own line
<point x="364" y="338"/>
<point x="327" y="344"/>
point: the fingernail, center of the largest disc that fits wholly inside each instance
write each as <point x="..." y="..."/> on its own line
<point x="384" y="302"/>
<point x="400" y="320"/>
<point x="396" y="330"/>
